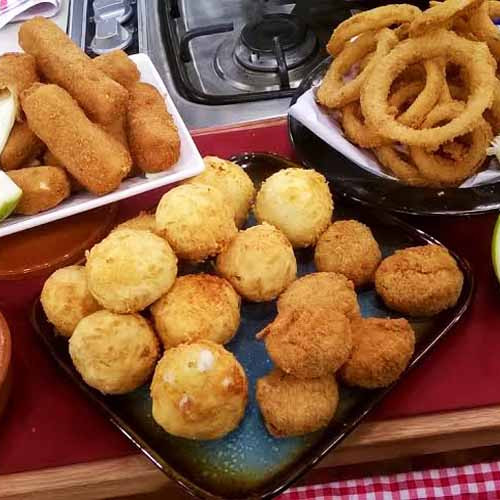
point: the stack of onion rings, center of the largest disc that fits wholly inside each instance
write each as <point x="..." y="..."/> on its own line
<point x="426" y="97"/>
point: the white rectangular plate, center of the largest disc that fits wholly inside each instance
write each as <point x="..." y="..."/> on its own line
<point x="190" y="163"/>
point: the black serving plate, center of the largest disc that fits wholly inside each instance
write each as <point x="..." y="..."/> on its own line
<point x="354" y="182"/>
<point x="249" y="463"/>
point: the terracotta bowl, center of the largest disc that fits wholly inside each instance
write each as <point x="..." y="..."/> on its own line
<point x="5" y="358"/>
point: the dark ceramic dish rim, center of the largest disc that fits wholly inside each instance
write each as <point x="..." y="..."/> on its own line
<point x="344" y="189"/>
<point x="320" y="450"/>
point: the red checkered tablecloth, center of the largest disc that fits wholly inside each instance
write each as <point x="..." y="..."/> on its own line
<point x="471" y="482"/>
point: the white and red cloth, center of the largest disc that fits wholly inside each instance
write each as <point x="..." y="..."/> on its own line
<point x="471" y="482"/>
<point x="20" y="10"/>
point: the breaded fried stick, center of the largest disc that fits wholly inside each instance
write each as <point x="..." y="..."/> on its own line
<point x="21" y="147"/>
<point x="94" y="158"/>
<point x="43" y="188"/>
<point x="152" y="135"/>
<point x="62" y="62"/>
<point x="119" y="67"/>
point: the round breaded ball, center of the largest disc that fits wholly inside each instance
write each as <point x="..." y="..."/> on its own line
<point x="197" y="307"/>
<point x="298" y="202"/>
<point x="114" y="353"/>
<point x="419" y="281"/>
<point x="199" y="391"/>
<point x="382" y="349"/>
<point x="308" y="343"/>
<point x="196" y="220"/>
<point x="130" y="269"/>
<point x="294" y="407"/>
<point x="259" y="263"/>
<point x="349" y="248"/>
<point x="232" y="181"/>
<point x="66" y="299"/>
<point x="144" y="222"/>
<point x="325" y="290"/>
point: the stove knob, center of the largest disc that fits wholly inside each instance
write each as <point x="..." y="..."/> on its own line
<point x="110" y="35"/>
<point x="121" y="10"/>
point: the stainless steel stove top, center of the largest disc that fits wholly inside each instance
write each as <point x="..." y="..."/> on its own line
<point x="223" y="61"/>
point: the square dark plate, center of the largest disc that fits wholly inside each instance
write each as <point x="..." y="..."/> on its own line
<point x="249" y="463"/>
<point x="356" y="183"/>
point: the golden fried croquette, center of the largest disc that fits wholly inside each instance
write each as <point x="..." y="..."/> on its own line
<point x="308" y="343"/>
<point x="22" y="147"/>
<point x="259" y="263"/>
<point x="118" y="130"/>
<point x="17" y="71"/>
<point x="66" y="299"/>
<point x="197" y="307"/>
<point x="296" y="201"/>
<point x="382" y="349"/>
<point x="119" y="67"/>
<point x="114" y="353"/>
<point x="144" y="222"/>
<point x="419" y="281"/>
<point x="328" y="290"/>
<point x="62" y="62"/>
<point x="292" y="407"/>
<point x="130" y="269"/>
<point x="152" y="135"/>
<point x="349" y="248"/>
<point x="43" y="188"/>
<point x="95" y="159"/>
<point x="51" y="159"/>
<point x="232" y="181"/>
<point x="195" y="220"/>
<point x="199" y="391"/>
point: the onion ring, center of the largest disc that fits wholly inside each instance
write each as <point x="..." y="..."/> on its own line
<point x="404" y="94"/>
<point x="481" y="74"/>
<point x="334" y="92"/>
<point x="374" y="19"/>
<point x="440" y="14"/>
<point x="445" y="171"/>
<point x="390" y="158"/>
<point x="485" y="29"/>
<point x="357" y="131"/>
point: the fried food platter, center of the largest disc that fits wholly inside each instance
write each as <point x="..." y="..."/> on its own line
<point x="250" y="461"/>
<point x="367" y="188"/>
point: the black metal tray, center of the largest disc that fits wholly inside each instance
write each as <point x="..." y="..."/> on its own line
<point x="249" y="463"/>
<point x="356" y="183"/>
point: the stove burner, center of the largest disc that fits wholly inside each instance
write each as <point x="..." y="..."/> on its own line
<point x="258" y="36"/>
<point x="276" y="43"/>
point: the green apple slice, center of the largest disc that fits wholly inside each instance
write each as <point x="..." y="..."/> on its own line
<point x="8" y="111"/>
<point x="10" y="195"/>
<point x="495" y="249"/>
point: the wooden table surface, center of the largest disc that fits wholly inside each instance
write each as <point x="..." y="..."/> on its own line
<point x="372" y="441"/>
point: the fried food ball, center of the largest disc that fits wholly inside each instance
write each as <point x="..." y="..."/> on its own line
<point x="382" y="349"/>
<point x="259" y="263"/>
<point x="419" y="281"/>
<point x="66" y="299"/>
<point x="43" y="188"/>
<point x="327" y="290"/>
<point x="308" y="343"/>
<point x="144" y="222"/>
<point x="199" y="391"/>
<point x="114" y="353"/>
<point x="197" y="307"/>
<point x="298" y="202"/>
<point x="232" y="181"/>
<point x="292" y="406"/>
<point x="130" y="269"/>
<point x="349" y="248"/>
<point x="195" y="220"/>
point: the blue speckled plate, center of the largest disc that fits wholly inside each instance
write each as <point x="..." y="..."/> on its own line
<point x="249" y="463"/>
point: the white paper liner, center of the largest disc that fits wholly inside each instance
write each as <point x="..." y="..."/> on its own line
<point x="307" y="111"/>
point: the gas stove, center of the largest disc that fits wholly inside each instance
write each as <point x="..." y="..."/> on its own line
<point x="223" y="61"/>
